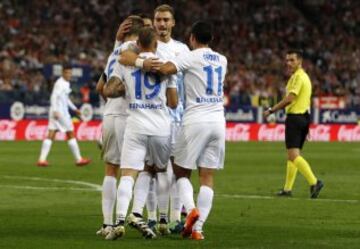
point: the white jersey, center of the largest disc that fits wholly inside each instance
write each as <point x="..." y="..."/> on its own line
<point x="168" y="51"/>
<point x="204" y="72"/>
<point x="115" y="106"/>
<point x="59" y="100"/>
<point x="147" y="109"/>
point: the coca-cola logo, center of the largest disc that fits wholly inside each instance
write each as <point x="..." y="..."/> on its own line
<point x="88" y="132"/>
<point x="349" y="134"/>
<point x="35" y="131"/>
<point x="239" y="132"/>
<point x="7" y="130"/>
<point x="320" y="133"/>
<point x="271" y="133"/>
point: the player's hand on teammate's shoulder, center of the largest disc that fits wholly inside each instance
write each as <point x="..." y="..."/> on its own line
<point x="123" y="29"/>
<point x="152" y="64"/>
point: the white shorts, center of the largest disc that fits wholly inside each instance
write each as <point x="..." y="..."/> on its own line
<point x="201" y="145"/>
<point x="62" y="124"/>
<point x="113" y="129"/>
<point x="175" y="129"/>
<point x="138" y="147"/>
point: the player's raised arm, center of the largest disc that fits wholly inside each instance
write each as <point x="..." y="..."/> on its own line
<point x="122" y="31"/>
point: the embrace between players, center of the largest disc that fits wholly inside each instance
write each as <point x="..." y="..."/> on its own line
<point x="163" y="118"/>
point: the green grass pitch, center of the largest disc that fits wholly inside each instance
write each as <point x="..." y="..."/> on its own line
<point x="37" y="211"/>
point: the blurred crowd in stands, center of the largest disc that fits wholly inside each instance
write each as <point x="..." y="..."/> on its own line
<point x="254" y="35"/>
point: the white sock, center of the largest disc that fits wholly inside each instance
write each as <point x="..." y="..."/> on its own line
<point x="74" y="147"/>
<point x="186" y="193"/>
<point x="124" y="194"/>
<point x="141" y="191"/>
<point x="45" y="149"/>
<point x="162" y="191"/>
<point x="151" y="201"/>
<point x="108" y="199"/>
<point x="175" y="203"/>
<point x="204" y="204"/>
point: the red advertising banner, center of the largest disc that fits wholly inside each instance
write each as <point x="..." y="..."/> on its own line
<point x="36" y="130"/>
<point x="276" y="132"/>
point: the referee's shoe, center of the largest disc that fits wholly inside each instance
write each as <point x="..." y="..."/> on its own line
<point x="315" y="189"/>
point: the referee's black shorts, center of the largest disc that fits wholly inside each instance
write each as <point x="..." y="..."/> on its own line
<point x="296" y="130"/>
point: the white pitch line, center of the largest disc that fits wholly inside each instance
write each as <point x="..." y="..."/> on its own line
<point x="97" y="188"/>
<point x="47" y="188"/>
<point x="87" y="184"/>
<point x="262" y="197"/>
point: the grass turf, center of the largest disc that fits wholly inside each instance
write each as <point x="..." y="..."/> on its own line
<point x="35" y="213"/>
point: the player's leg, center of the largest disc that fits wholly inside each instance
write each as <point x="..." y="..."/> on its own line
<point x="132" y="161"/>
<point x="175" y="203"/>
<point x="159" y="153"/>
<point x="188" y="149"/>
<point x="66" y="124"/>
<point x="112" y="142"/>
<point x="204" y="201"/>
<point x="151" y="205"/>
<point x="141" y="191"/>
<point x="211" y="159"/>
<point x="108" y="198"/>
<point x="45" y="148"/>
<point x="176" y="225"/>
<point x="75" y="150"/>
<point x="162" y="192"/>
<point x="124" y="195"/>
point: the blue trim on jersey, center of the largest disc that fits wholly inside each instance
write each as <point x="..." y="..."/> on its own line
<point x="177" y="113"/>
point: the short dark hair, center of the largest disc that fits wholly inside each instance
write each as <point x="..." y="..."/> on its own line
<point x="144" y="16"/>
<point x="299" y="52"/>
<point x="66" y="66"/>
<point x="163" y="8"/>
<point x="137" y="24"/>
<point x="147" y="36"/>
<point x="202" y="31"/>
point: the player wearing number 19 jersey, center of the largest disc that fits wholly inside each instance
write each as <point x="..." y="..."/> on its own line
<point x="147" y="132"/>
<point x="201" y="142"/>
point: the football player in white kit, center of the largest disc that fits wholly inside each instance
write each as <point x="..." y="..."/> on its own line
<point x="60" y="119"/>
<point x="147" y="132"/>
<point x="201" y="141"/>
<point x="168" y="49"/>
<point x="113" y="126"/>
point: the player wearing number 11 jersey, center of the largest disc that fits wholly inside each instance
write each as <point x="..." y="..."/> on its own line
<point x="201" y="142"/>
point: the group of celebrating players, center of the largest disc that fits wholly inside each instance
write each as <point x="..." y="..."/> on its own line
<point x="163" y="118"/>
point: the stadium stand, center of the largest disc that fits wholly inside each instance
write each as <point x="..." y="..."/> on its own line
<point x="253" y="35"/>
